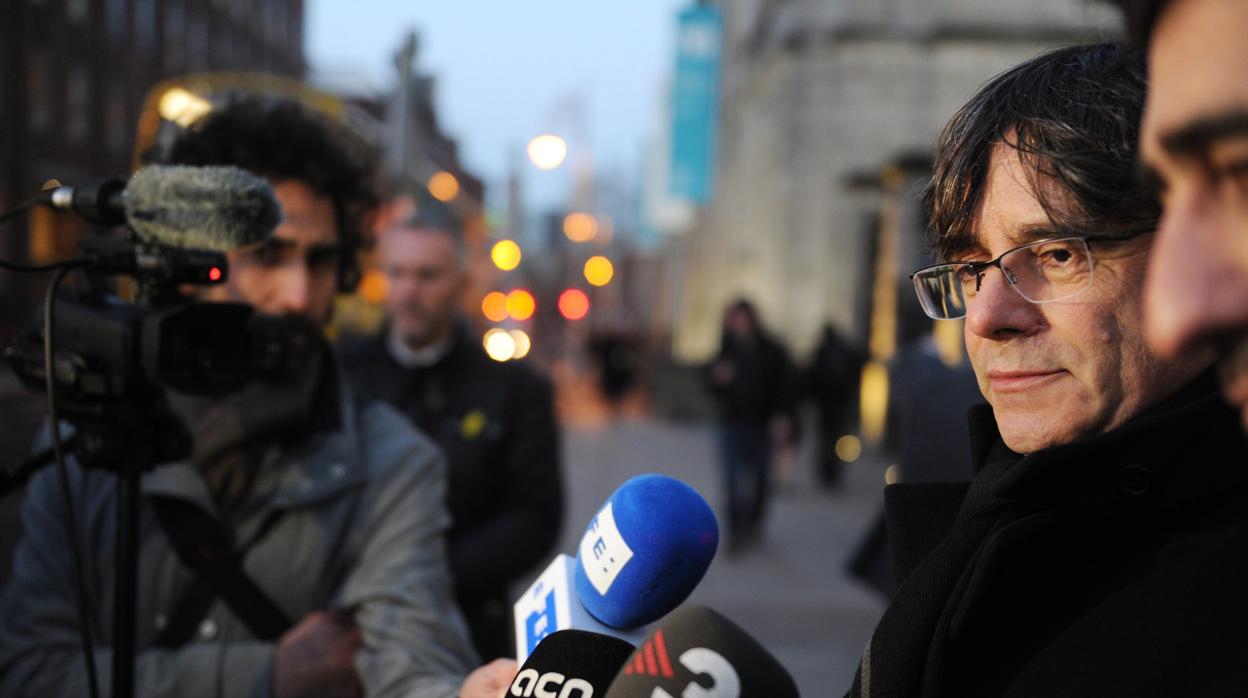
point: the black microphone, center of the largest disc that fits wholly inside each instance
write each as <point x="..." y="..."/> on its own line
<point x="696" y="651"/>
<point x="570" y="664"/>
<point x="199" y="208"/>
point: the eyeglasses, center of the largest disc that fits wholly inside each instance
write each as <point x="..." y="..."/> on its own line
<point x="1042" y="271"/>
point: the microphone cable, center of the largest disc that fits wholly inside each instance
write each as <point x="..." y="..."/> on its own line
<point x="61" y="270"/>
<point x="84" y="603"/>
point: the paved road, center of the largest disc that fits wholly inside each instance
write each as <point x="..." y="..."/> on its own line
<point x="793" y="594"/>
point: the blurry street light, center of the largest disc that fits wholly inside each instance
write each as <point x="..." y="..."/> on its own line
<point x="375" y="287"/>
<point x="520" y="304"/>
<point x="505" y="254"/>
<point x="848" y="448"/>
<point x="499" y="344"/>
<point x="580" y="227"/>
<point x="573" y="304"/>
<point x="599" y="270"/>
<point x="494" y="306"/>
<point x="523" y="343"/>
<point x="548" y="151"/>
<point x="443" y="186"/>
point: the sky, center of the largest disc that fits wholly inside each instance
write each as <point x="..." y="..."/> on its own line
<point x="507" y="70"/>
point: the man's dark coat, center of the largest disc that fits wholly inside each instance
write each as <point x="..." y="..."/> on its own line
<point x="1113" y="566"/>
<point x="496" y="424"/>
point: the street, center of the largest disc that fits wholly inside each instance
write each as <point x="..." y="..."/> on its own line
<point x="793" y="594"/>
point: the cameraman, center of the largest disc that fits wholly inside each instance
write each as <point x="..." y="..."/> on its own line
<point x="334" y="508"/>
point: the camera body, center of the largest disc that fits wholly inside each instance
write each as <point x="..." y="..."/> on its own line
<point x="113" y="359"/>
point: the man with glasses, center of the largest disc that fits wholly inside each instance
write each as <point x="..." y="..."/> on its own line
<point x="1102" y="545"/>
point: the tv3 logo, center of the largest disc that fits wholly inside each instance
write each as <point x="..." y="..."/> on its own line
<point x="724" y="680"/>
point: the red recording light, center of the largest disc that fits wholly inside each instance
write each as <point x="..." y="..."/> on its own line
<point x="214" y="274"/>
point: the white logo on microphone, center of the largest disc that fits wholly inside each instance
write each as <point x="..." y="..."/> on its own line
<point x="724" y="680"/>
<point x="529" y="684"/>
<point x="603" y="551"/>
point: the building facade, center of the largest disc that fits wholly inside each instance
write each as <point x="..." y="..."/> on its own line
<point x="820" y="101"/>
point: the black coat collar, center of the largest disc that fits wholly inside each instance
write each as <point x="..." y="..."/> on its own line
<point x="1187" y="448"/>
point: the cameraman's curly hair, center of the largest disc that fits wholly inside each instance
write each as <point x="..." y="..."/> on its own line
<point x="1073" y="116"/>
<point x="280" y="139"/>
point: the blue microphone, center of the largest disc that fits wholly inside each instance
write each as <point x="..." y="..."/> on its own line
<point x="641" y="556"/>
<point x="645" y="551"/>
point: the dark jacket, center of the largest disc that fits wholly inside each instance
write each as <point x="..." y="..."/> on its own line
<point x="762" y="384"/>
<point x="1113" y="566"/>
<point x="496" y="424"/>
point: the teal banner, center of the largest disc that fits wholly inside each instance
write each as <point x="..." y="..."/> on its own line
<point x="695" y="104"/>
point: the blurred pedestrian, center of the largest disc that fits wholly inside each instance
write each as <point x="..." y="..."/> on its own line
<point x="494" y="421"/>
<point x="831" y="381"/>
<point x="750" y="380"/>
<point x="929" y="394"/>
<point x="617" y="350"/>
<point x="926" y="438"/>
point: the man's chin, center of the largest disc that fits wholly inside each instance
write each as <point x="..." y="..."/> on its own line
<point x="1233" y="371"/>
<point x="1028" y="431"/>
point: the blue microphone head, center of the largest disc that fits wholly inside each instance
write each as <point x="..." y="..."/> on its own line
<point x="645" y="551"/>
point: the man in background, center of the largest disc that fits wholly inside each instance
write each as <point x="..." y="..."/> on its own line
<point x="494" y="421"/>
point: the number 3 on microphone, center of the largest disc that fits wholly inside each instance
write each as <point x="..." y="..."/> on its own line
<point x="699" y="660"/>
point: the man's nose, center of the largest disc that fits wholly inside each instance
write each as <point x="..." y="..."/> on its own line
<point x="1197" y="284"/>
<point x="998" y="311"/>
<point x="293" y="286"/>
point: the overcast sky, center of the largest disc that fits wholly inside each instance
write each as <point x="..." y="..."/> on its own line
<point x="505" y="68"/>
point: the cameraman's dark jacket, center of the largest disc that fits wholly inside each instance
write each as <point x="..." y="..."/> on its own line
<point x="1112" y="566"/>
<point x="495" y="422"/>
<point x="361" y="530"/>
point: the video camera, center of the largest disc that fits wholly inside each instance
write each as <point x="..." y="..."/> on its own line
<point x="112" y="359"/>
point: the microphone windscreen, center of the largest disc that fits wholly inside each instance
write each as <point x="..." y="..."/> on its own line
<point x="696" y="647"/>
<point x="203" y="208"/>
<point x="569" y="661"/>
<point x="645" y="551"/>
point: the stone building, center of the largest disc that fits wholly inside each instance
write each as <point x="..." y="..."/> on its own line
<point x="828" y="111"/>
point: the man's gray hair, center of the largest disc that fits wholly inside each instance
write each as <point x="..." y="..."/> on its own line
<point x="436" y="222"/>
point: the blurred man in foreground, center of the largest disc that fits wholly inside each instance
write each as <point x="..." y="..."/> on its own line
<point x="494" y="421"/>
<point x="1194" y="146"/>
<point x="1102" y="546"/>
<point x="334" y="510"/>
